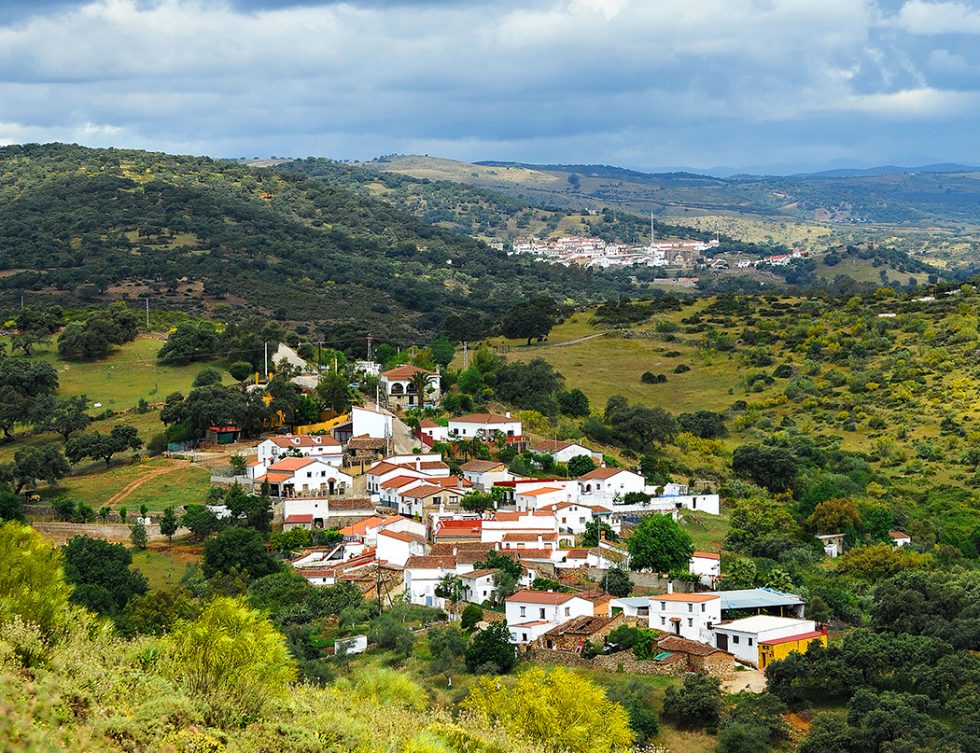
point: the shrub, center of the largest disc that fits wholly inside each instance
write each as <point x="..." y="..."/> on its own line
<point x="681" y="368"/>
<point x="471" y="615"/>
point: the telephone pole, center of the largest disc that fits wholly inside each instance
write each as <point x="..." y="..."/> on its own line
<point x="266" y="347"/>
<point x="147" y="313"/>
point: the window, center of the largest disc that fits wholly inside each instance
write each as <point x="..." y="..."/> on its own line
<point x="735" y="639"/>
<point x="568" y="612"/>
<point x="750" y="641"/>
<point x="523" y="611"/>
<point x="702" y="607"/>
<point x="690" y="622"/>
<point x="541" y="612"/>
<point x="663" y="606"/>
<point x="663" y="620"/>
<point x="690" y="607"/>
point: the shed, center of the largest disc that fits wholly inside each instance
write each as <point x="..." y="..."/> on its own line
<point x="223" y="434"/>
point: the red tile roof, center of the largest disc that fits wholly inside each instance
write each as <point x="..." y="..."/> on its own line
<point x="405" y="372"/>
<point x="483" y="418"/>
<point x="397" y="482"/>
<point x="298" y="519"/>
<point x="539" y="597"/>
<point x="291" y="464"/>
<point x="602" y="474"/>
<point x="402" y="536"/>
<point x="481" y="466"/>
<point x="430" y="562"/>
<point x="791" y="638"/>
<point x="706" y="555"/>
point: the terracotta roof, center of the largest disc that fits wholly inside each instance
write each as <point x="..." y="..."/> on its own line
<point x="402" y="536"/>
<point x="542" y="490"/>
<point x="586" y="625"/>
<point x="898" y="535"/>
<point x="792" y="638"/>
<point x="305" y="440"/>
<point x="532" y="623"/>
<point x="539" y="597"/>
<point x="459" y="528"/>
<point x="405" y="372"/>
<point x="468" y="556"/>
<point x="428" y="423"/>
<point x="383" y="466"/>
<point x="430" y="562"/>
<point x="484" y="418"/>
<point x="365" y="442"/>
<point x="602" y="473"/>
<point x="291" y="464"/>
<point x="696" y="598"/>
<point x="462" y="546"/>
<point x="481" y="466"/>
<point x="520" y="536"/>
<point x="318" y="572"/>
<point x="529" y="554"/>
<point x="298" y="519"/>
<point x="577" y="554"/>
<point x="706" y="555"/>
<point x="551" y="445"/>
<point x="418" y="492"/>
<point x="275" y="478"/>
<point x="362" y="503"/>
<point x="478" y="573"/>
<point x="398" y="481"/>
<point x="684" y="646"/>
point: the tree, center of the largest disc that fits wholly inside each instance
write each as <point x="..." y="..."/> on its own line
<point x="697" y="704"/>
<point x="494" y="560"/>
<point x="391" y="633"/>
<point x="573" y="402"/>
<point x="207" y="377"/>
<point x="11" y="504"/>
<point x="447" y="645"/>
<point x="335" y="392"/>
<point x="616" y="582"/>
<point x="25" y="340"/>
<point x="477" y="502"/>
<point x="559" y="710"/>
<point x="491" y="652"/>
<point x="660" y="544"/>
<point x="33" y="587"/>
<point x="240" y="548"/>
<point x="232" y="658"/>
<point x="201" y="521"/>
<point x="533" y="385"/>
<point x="880" y="561"/>
<point x="470" y="616"/>
<point x="834" y="516"/>
<point x="442" y="351"/>
<point x="240" y="370"/>
<point x="68" y="417"/>
<point x="580" y="465"/>
<point x="137" y="535"/>
<point x="101" y="575"/>
<point x="771" y="467"/>
<point x="33" y="464"/>
<point x="98" y="446"/>
<point x="25" y="385"/>
<point x="169" y="524"/>
<point x="94" y="337"/>
<point x="450" y="587"/>
<point x="596" y="529"/>
<point x="530" y="319"/>
<point x="705" y="424"/>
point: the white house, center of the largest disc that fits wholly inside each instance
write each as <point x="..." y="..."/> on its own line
<point x="435" y="432"/>
<point x="323" y="447"/>
<point x="605" y="485"/>
<point x="485" y="473"/>
<point x="396" y="384"/>
<point x="534" y="499"/>
<point x="419" y="466"/>
<point x="303" y="477"/>
<point x="478" y="585"/>
<point x="531" y="614"/>
<point x="562" y="451"/>
<point x="366" y="531"/>
<point x="631" y="606"/>
<point x="416" y="500"/>
<point x="745" y="637"/>
<point x="317" y="512"/>
<point x="485" y="426"/>
<point x="396" y="547"/>
<point x="690" y="616"/>
<point x="424" y="573"/>
<point x="375" y="424"/>
<point x="493" y="530"/>
<point x="574" y="516"/>
<point x="900" y="538"/>
<point x="536" y="540"/>
<point x="707" y="565"/>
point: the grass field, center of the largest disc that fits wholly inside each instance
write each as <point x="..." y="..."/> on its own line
<point x="179" y="484"/>
<point x="163" y="566"/>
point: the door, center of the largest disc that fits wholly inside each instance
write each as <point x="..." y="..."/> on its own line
<point x="722" y="641"/>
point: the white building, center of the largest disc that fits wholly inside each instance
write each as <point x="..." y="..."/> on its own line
<point x="423" y="575"/>
<point x="603" y="486"/>
<point x="690" y="616"/>
<point x="631" y="606"/>
<point x="900" y="538"/>
<point x="396" y="547"/>
<point x="493" y="530"/>
<point x="574" y="517"/>
<point x="534" y="499"/>
<point x="418" y="466"/>
<point x="323" y="447"/>
<point x="743" y="637"/>
<point x="531" y="614"/>
<point x="435" y="432"/>
<point x="303" y="477"/>
<point x="707" y="565"/>
<point x="419" y="499"/>
<point x="396" y="384"/>
<point x="485" y="473"/>
<point x="563" y="451"/>
<point x="375" y="424"/>
<point x="484" y="426"/>
<point x="478" y="585"/>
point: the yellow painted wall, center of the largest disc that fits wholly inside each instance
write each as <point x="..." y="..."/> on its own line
<point x="770" y="653"/>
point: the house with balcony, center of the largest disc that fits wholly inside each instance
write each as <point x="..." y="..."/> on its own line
<point x="531" y="614"/>
<point x="399" y="391"/>
<point x="691" y="616"/>
<point x="320" y="446"/>
<point x="303" y="477"/>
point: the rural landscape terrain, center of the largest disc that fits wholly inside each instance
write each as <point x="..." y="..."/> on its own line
<point x="809" y="428"/>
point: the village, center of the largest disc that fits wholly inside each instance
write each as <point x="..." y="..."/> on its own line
<point x="543" y="555"/>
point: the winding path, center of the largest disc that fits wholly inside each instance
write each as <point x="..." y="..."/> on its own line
<point x="132" y="486"/>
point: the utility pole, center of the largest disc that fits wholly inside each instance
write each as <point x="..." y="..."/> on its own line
<point x="319" y="359"/>
<point x="147" y="313"/>
<point x="466" y="360"/>
<point x="266" y="346"/>
<point x="22" y="302"/>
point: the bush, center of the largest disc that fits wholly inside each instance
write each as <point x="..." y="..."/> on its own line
<point x="697" y="704"/>
<point x="681" y="368"/>
<point x="471" y="615"/>
<point x="491" y="652"/>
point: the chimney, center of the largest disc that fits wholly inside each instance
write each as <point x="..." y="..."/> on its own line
<point x="823" y="629"/>
<point x="455" y="551"/>
<point x="540" y="542"/>
<point x="418" y="464"/>
<point x="507" y="414"/>
<point x="670" y="585"/>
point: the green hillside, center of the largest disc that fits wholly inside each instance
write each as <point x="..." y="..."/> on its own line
<point x="226" y="239"/>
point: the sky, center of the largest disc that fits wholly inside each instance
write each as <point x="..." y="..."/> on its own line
<point x="775" y="85"/>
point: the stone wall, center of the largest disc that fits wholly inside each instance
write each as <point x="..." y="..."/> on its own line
<point x="623" y="661"/>
<point x="61" y="532"/>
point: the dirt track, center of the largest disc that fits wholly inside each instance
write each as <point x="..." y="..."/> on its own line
<point x="132" y="486"/>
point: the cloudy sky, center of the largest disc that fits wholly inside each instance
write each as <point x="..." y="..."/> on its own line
<point x="638" y="83"/>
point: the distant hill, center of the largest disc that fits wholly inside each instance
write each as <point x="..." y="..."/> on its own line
<point x="224" y="239"/>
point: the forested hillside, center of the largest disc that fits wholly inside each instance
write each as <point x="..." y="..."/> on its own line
<point x="224" y="239"/>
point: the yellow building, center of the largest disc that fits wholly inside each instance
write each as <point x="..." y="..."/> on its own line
<point x="779" y="648"/>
